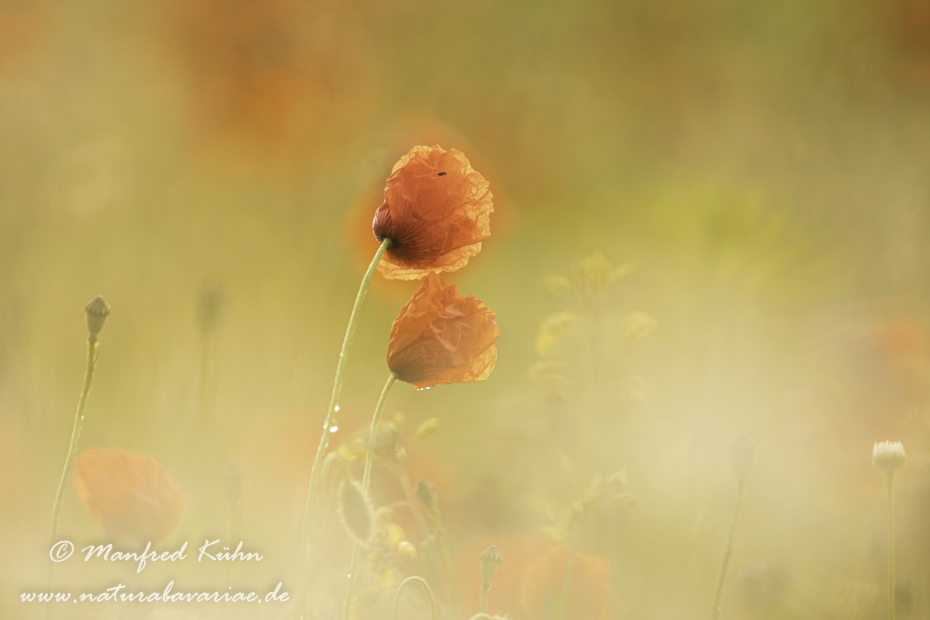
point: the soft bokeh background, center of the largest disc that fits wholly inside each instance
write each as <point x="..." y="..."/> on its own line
<point x="763" y="167"/>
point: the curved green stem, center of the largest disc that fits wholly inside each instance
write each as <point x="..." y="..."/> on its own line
<point x="429" y="593"/>
<point x="366" y="480"/>
<point x="485" y="590"/>
<point x="309" y="515"/>
<point x="75" y="433"/>
<point x="75" y="439"/>
<point x="726" y="557"/>
<point x="891" y="545"/>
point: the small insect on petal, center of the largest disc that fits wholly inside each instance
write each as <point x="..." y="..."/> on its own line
<point x="441" y="173"/>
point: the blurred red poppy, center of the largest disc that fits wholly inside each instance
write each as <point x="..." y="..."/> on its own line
<point x="544" y="580"/>
<point x="130" y="496"/>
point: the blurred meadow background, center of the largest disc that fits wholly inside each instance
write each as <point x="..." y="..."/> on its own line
<point x="711" y="218"/>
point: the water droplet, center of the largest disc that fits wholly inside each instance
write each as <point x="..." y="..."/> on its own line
<point x="333" y="429"/>
<point x="337" y="408"/>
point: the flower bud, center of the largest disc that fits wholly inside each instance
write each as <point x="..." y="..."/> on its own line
<point x="407" y="551"/>
<point x="428" y="428"/>
<point x="742" y="452"/>
<point x="356" y="511"/>
<point x="426" y="493"/>
<point x="97" y="312"/>
<point x="889" y="455"/>
<point x="490" y="561"/>
<point x="210" y="302"/>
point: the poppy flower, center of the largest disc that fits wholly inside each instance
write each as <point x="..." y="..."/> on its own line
<point x="443" y="337"/>
<point x="436" y="212"/>
<point x="587" y="595"/>
<point x="130" y="496"/>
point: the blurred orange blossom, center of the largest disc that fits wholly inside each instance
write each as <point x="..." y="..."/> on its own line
<point x="130" y="496"/>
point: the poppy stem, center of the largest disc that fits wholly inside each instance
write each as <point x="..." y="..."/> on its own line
<point x="563" y="599"/>
<point x="440" y="533"/>
<point x="93" y="348"/>
<point x="890" y="544"/>
<point x="309" y="515"/>
<point x="429" y="593"/>
<point x="366" y="480"/>
<point x="715" y="613"/>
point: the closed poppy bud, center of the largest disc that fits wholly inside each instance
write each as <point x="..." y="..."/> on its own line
<point x="407" y="551"/>
<point x="97" y="312"/>
<point x="443" y="337"/>
<point x="491" y="560"/>
<point x="210" y="302"/>
<point x="130" y="496"/>
<point x="428" y="428"/>
<point x="426" y="493"/>
<point x="889" y="455"/>
<point x="356" y="511"/>
<point x="436" y="212"/>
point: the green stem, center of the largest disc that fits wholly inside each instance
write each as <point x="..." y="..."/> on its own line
<point x="434" y="559"/>
<point x="429" y="593"/>
<point x="726" y="557"/>
<point x="485" y="590"/>
<point x="309" y="515"/>
<point x="891" y="545"/>
<point x="366" y="481"/>
<point x="446" y="558"/>
<point x="366" y="478"/>
<point x="75" y="439"/>
<point x="562" y="605"/>
<point x="75" y="434"/>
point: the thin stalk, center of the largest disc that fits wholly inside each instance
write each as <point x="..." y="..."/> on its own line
<point x="366" y="481"/>
<point x="309" y="515"/>
<point x="562" y="607"/>
<point x="92" y="351"/>
<point x="366" y="477"/>
<point x="608" y="445"/>
<point x="485" y="590"/>
<point x="446" y="558"/>
<point x="433" y="553"/>
<point x="429" y="594"/>
<point x="75" y="432"/>
<point x="891" y="545"/>
<point x="726" y="557"/>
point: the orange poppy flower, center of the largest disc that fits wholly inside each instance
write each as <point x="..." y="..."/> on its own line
<point x="130" y="496"/>
<point x="588" y="595"/>
<point x="443" y="337"/>
<point x="436" y="211"/>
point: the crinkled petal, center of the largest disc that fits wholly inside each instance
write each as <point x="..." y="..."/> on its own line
<point x="437" y="211"/>
<point x="443" y="337"/>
